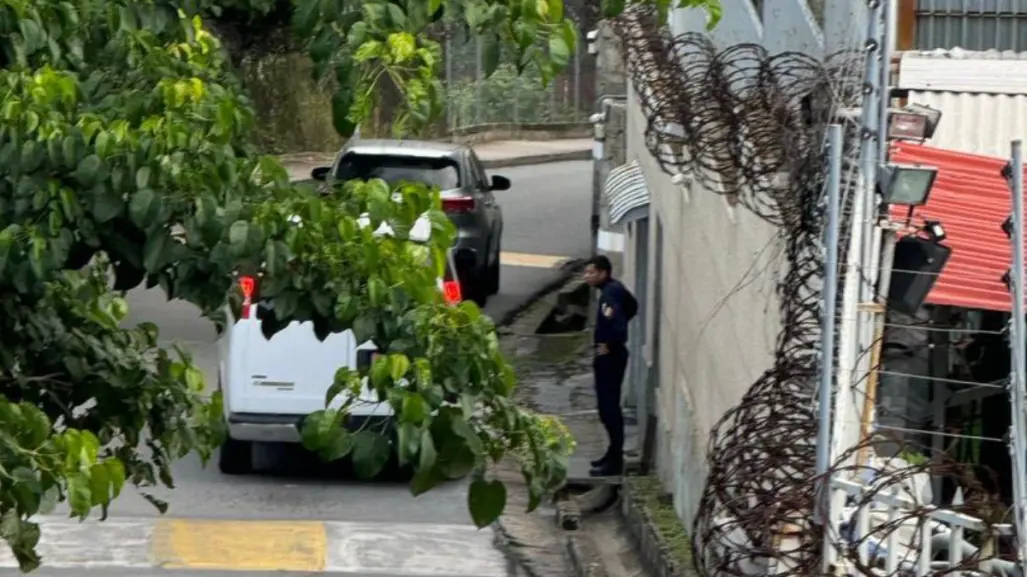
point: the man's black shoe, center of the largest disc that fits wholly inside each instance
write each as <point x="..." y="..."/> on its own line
<point x="598" y="462"/>
<point x="607" y="470"/>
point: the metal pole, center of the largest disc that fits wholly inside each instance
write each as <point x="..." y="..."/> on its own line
<point x="830" y="301"/>
<point x="1019" y="343"/>
<point x="577" y="80"/>
<point x="450" y="112"/>
<point x="479" y="81"/>
<point x="888" y="15"/>
<point x="855" y="334"/>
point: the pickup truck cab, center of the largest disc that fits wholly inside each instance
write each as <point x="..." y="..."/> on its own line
<point x="270" y="385"/>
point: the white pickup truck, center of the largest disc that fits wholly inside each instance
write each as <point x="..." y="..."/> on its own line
<point x="270" y="386"/>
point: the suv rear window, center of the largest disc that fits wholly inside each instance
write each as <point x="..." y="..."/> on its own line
<point x="441" y="172"/>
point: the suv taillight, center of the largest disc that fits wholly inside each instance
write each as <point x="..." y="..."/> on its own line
<point x="248" y="287"/>
<point x="458" y="204"/>
<point x="451" y="290"/>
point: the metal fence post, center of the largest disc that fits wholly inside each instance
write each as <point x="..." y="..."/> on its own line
<point x="827" y="319"/>
<point x="1018" y="343"/>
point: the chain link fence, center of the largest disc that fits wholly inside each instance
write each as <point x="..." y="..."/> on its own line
<point x="507" y="96"/>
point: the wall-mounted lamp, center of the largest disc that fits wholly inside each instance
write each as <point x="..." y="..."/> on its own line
<point x="913" y="122"/>
<point x="906" y="184"/>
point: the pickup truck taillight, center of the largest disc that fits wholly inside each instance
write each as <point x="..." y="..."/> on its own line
<point x="248" y="287"/>
<point x="458" y="204"/>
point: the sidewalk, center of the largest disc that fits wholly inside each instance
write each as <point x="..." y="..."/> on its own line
<point x="497" y="154"/>
<point x="556" y="378"/>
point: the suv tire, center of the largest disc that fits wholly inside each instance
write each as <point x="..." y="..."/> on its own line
<point x="492" y="276"/>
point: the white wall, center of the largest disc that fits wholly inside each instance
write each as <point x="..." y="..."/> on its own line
<point x="718" y="319"/>
<point x="785" y="25"/>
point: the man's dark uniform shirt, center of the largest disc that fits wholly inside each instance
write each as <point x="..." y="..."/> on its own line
<point x="611" y="330"/>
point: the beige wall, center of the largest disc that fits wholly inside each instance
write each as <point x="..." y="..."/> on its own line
<point x="718" y="318"/>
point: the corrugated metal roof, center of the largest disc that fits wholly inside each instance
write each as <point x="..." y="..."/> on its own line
<point x="982" y="96"/>
<point x="971" y="199"/>
<point x="976" y="123"/>
<point x="959" y="70"/>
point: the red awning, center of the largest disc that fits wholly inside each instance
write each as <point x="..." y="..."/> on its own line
<point x="971" y="199"/>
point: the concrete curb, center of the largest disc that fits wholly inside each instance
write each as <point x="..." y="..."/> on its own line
<point x="538" y="159"/>
<point x="653" y="550"/>
<point x="566" y="272"/>
<point x="582" y="557"/>
<point x="506" y="543"/>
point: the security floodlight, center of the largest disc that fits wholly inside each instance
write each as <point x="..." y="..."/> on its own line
<point x="906" y="184"/>
<point x="933" y="117"/>
<point x="934" y="230"/>
<point x="914" y="122"/>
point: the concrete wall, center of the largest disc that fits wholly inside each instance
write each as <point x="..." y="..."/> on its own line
<point x="717" y="319"/>
<point x="714" y="318"/>
<point x="810" y="26"/>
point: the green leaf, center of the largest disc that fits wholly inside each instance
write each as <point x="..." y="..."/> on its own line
<point x="154" y="251"/>
<point x="342" y="100"/>
<point x="555" y="10"/>
<point x="89" y="170"/>
<point x="486" y="501"/>
<point x="238" y="235"/>
<point x="559" y="50"/>
<point x="306" y="16"/>
<point x="491" y="53"/>
<point x="340" y="443"/>
<point x="141" y="207"/>
<point x="143" y="177"/>
<point x="398" y="366"/>
<point x="79" y="496"/>
<point x="116" y="475"/>
<point x="612" y="8"/>
<point x="107" y="204"/>
<point x="370" y="453"/>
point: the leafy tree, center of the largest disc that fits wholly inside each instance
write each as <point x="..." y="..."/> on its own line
<point x="126" y="159"/>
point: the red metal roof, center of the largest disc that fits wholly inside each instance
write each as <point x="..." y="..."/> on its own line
<point x="971" y="199"/>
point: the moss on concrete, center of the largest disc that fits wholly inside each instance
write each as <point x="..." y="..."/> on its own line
<point x="660" y="510"/>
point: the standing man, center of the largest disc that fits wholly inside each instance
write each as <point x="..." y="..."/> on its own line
<point x="616" y="307"/>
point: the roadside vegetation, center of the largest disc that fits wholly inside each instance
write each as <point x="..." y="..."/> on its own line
<point x="127" y="159"/>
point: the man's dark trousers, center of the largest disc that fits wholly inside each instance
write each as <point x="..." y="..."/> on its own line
<point x="609" y="372"/>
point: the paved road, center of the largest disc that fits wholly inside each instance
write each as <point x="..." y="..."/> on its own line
<point x="298" y="516"/>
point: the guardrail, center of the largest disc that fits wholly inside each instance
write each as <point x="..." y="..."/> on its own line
<point x="480" y="133"/>
<point x="897" y="536"/>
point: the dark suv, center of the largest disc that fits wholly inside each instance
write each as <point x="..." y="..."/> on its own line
<point x="467" y="197"/>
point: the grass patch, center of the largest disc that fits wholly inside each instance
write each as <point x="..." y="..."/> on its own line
<point x="660" y="510"/>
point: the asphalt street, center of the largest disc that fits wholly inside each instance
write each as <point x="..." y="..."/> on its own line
<point x="294" y="501"/>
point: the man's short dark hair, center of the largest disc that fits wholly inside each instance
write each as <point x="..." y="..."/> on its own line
<point x="601" y="262"/>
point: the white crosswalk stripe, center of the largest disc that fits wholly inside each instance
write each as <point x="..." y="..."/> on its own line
<point x="393" y="549"/>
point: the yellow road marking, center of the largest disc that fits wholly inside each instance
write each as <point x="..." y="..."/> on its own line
<point x="240" y="545"/>
<point x="531" y="260"/>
